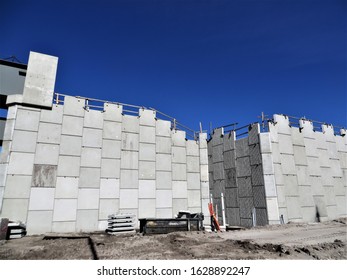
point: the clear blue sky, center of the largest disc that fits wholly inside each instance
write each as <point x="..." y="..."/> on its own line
<point x="209" y="61"/>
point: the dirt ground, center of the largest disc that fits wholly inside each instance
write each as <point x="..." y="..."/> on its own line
<point x="291" y="241"/>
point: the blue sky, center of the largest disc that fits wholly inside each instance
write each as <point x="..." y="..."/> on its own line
<point x="209" y="61"/>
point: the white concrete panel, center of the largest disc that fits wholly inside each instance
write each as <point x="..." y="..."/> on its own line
<point x="73" y="106"/>
<point x="147" y="188"/>
<point x="278" y="174"/>
<point x="288" y="164"/>
<point x="294" y="211"/>
<point x="130" y="124"/>
<point x="328" y="131"/>
<point x="17" y="186"/>
<point x="308" y="214"/>
<point x="341" y="144"/>
<point x="65" y="210"/>
<point x="147" y="170"/>
<point x="276" y="153"/>
<point x="128" y="199"/>
<point x="44" y="176"/>
<point x="203" y="140"/>
<point x="204" y="173"/>
<point x="112" y="130"/>
<point x="72" y="125"/>
<point x="12" y="112"/>
<point x="163" y="180"/>
<point x="147" y="117"/>
<point x="129" y="160"/>
<point x="147" y="208"/>
<point x="52" y="116"/>
<point x="321" y="141"/>
<point x="5" y="151"/>
<point x="89" y="178"/>
<point x="49" y="133"/>
<point x="285" y="144"/>
<point x="341" y="206"/>
<point x="203" y="156"/>
<point x="297" y="137"/>
<point x="335" y="168"/>
<point x="193" y="181"/>
<point x="310" y="147"/>
<point x="316" y="186"/>
<point x="265" y="142"/>
<point x="193" y="164"/>
<point x="163" y="145"/>
<point x="41" y="199"/>
<point x="113" y="112"/>
<point x="129" y="179"/>
<point x="268" y="166"/>
<point x="164" y="213"/>
<point x="130" y="142"/>
<point x="39" y="222"/>
<point x="111" y="149"/>
<point x="147" y="134"/>
<point x="163" y="128"/>
<point x="21" y="163"/>
<point x="281" y="198"/>
<point x="205" y="191"/>
<point x="179" y="189"/>
<point x="47" y="154"/>
<point x="179" y="172"/>
<point x="179" y="204"/>
<point x="272" y="209"/>
<point x="179" y="154"/>
<point x="313" y="166"/>
<point x="303" y="175"/>
<point x="332" y="149"/>
<point x="63" y="227"/>
<point x="110" y="168"/>
<point x="15" y="209"/>
<point x="300" y="155"/>
<point x="66" y="187"/>
<point x="27" y="120"/>
<point x="71" y="145"/>
<point x="3" y="174"/>
<point x="179" y="138"/>
<point x="339" y="187"/>
<point x="92" y="138"/>
<point x="327" y="179"/>
<point x="282" y="123"/>
<point x="24" y="141"/>
<point x="8" y="130"/>
<point x="321" y="207"/>
<point x="87" y="220"/>
<point x="270" y="186"/>
<point x="108" y="207"/>
<point x="343" y="159"/>
<point x="291" y="185"/>
<point x="329" y="194"/>
<point x="69" y="166"/>
<point x="323" y="158"/>
<point x="109" y="188"/>
<point x="91" y="157"/>
<point x="147" y="152"/>
<point x="88" y="199"/>
<point x="192" y="148"/>
<point x="163" y="162"/>
<point x="93" y="119"/>
<point x="194" y="198"/>
<point x="307" y="128"/>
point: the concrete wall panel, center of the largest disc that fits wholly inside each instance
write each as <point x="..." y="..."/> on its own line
<point x="179" y="205"/>
<point x="164" y="199"/>
<point x="37" y="203"/>
<point x="147" y="134"/>
<point x="47" y="154"/>
<point x="73" y="106"/>
<point x="147" y="152"/>
<point x="163" y="145"/>
<point x="52" y="116"/>
<point x="164" y="213"/>
<point x="129" y="160"/>
<point x="163" y="128"/>
<point x="179" y="155"/>
<point x="71" y="145"/>
<point x="130" y="124"/>
<point x="147" y="170"/>
<point x="112" y="130"/>
<point x="92" y="138"/>
<point x="164" y="180"/>
<point x="193" y="164"/>
<point x="49" y="133"/>
<point x="193" y="181"/>
<point x="89" y="178"/>
<point x="93" y="119"/>
<point x="87" y="220"/>
<point x="113" y="112"/>
<point x="72" y="126"/>
<point x="179" y="189"/>
<point x="27" y="119"/>
<point x="179" y="138"/>
<point x="110" y="168"/>
<point x="147" y="189"/>
<point x="179" y="172"/>
<point x="129" y="198"/>
<point x="44" y="175"/>
<point x="130" y="142"/>
<point x="17" y="186"/>
<point x="39" y="222"/>
<point x="15" y="209"/>
<point x="147" y="117"/>
<point x="109" y="188"/>
<point x="65" y="210"/>
<point x="129" y="179"/>
<point x="63" y="227"/>
<point x="163" y="162"/>
<point x="300" y="155"/>
<point x="288" y="164"/>
<point x="192" y="148"/>
<point x="69" y="166"/>
<point x="21" y="163"/>
<point x="24" y="141"/>
<point x="66" y="187"/>
<point x="91" y="157"/>
<point x="111" y="148"/>
<point x="108" y="207"/>
<point x="88" y="199"/>
<point x="147" y="208"/>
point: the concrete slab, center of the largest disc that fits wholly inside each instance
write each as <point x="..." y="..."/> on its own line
<point x="39" y="222"/>
<point x="179" y="204"/>
<point x="41" y="199"/>
<point x="255" y="155"/>
<point x="261" y="216"/>
<point x="265" y="142"/>
<point x="163" y="162"/>
<point x="288" y="164"/>
<point x="341" y="208"/>
<point x="203" y="156"/>
<point x="3" y="174"/>
<point x="241" y="147"/>
<point x="244" y="187"/>
<point x="308" y="214"/>
<point x="229" y="160"/>
<point x="282" y="123"/>
<point x="303" y="175"/>
<point x="338" y="184"/>
<point x="163" y="145"/>
<point x="147" y="208"/>
<point x="109" y="188"/>
<point x="327" y="179"/>
<point x="71" y="145"/>
<point x="164" y="213"/>
<point x="321" y="142"/>
<point x="307" y="128"/>
<point x="178" y="138"/>
<point x="130" y="142"/>
<point x="257" y="175"/>
<point x="343" y="159"/>
<point x="341" y="144"/>
<point x="91" y="157"/>
<point x="147" y="152"/>
<point x="270" y="186"/>
<point x="129" y="179"/>
<point x="24" y="141"/>
<point x="243" y="167"/>
<point x="147" y="170"/>
<point x="89" y="178"/>
<point x="72" y="126"/>
<point x="73" y="106"/>
<point x="17" y="186"/>
<point x="217" y="136"/>
<point x="113" y="112"/>
<point x="310" y="147"/>
<point x="164" y="199"/>
<point x="8" y="130"/>
<point x="300" y="155"/>
<point x="108" y="207"/>
<point x="179" y="189"/>
<point x="230" y="178"/>
<point x="63" y="227"/>
<point x="246" y="206"/>
<point x="130" y="124"/>
<point x="92" y="138"/>
<point x="283" y="212"/>
<point x="203" y="140"/>
<point x="164" y="180"/>
<point x="218" y="171"/>
<point x="332" y="212"/>
<point x="15" y="209"/>
<point x="332" y="149"/>
<point x="179" y="155"/>
<point x="285" y="144"/>
<point x="276" y="153"/>
<point x="281" y="198"/>
<point x="259" y="199"/>
<point x="193" y="181"/>
<point x="147" y="117"/>
<point x="110" y="168"/>
<point x="278" y="174"/>
<point x="321" y="208"/>
<point x="231" y="198"/>
<point x="328" y="131"/>
<point x="112" y="130"/>
<point x="204" y="176"/>
<point x="273" y="132"/>
<point x="49" y="133"/>
<point x="313" y="166"/>
<point x="88" y="199"/>
<point x="253" y="132"/>
<point x="93" y="119"/>
<point x="129" y="160"/>
<point x="128" y="198"/>
<point x="147" y="188"/>
<point x="179" y="172"/>
<point x="27" y="120"/>
<point x="335" y="168"/>
<point x="147" y="134"/>
<point x="192" y="148"/>
<point x="229" y="141"/>
<point x="217" y="153"/>
<point x="69" y="166"/>
<point x="111" y="149"/>
<point x="65" y="210"/>
<point x="291" y="187"/>
<point x="47" y="154"/>
<point x="5" y="151"/>
<point x="66" y="187"/>
<point x="21" y="163"/>
<point x="297" y="137"/>
<point x="272" y="210"/>
<point x="233" y="216"/>
<point x="329" y="194"/>
<point x="52" y="116"/>
<point x="44" y="175"/>
<point x="294" y="212"/>
<point x="87" y="220"/>
<point x="193" y="164"/>
<point x="316" y="186"/>
<point x="163" y="128"/>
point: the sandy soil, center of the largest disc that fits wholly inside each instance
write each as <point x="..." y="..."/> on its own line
<point x="292" y="241"/>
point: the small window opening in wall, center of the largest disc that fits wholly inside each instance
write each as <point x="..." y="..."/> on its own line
<point x="22" y="73"/>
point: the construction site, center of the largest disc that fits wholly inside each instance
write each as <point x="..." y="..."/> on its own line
<point x="83" y="178"/>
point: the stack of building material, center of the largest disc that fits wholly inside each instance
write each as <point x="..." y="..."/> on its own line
<point x="16" y="230"/>
<point x="3" y="228"/>
<point x="121" y="223"/>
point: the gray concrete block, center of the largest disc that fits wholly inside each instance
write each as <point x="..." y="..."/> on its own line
<point x="265" y="142"/>
<point x="300" y="155"/>
<point x="109" y="188"/>
<point x="273" y="132"/>
<point x="218" y="171"/>
<point x="230" y="178"/>
<point x="130" y="124"/>
<point x="93" y="119"/>
<point x="163" y="128"/>
<point x="147" y="117"/>
<point x="21" y="163"/>
<point x="218" y="188"/>
<point x="243" y="167"/>
<point x="233" y="216"/>
<point x="288" y="164"/>
<point x="27" y="120"/>
<point x="52" y="116"/>
<point x="297" y="137"/>
<point x="194" y="199"/>
<point x="244" y="187"/>
<point x="282" y="123"/>
<point x="88" y="199"/>
<point x="87" y="220"/>
<point x="246" y="223"/>
<point x="231" y="198"/>
<point x="24" y="141"/>
<point x="63" y="227"/>
<point x="313" y="166"/>
<point x="179" y="172"/>
<point x="332" y="149"/>
<point x="66" y="187"/>
<point x="285" y="144"/>
<point x="270" y="186"/>
<point x="259" y="200"/>
<point x="193" y="164"/>
<point x="291" y="187"/>
<point x="257" y="175"/>
<point x="164" y="213"/>
<point x="129" y="198"/>
<point x="272" y="210"/>
<point x="113" y="112"/>
<point x="129" y="179"/>
<point x="204" y="176"/>
<point x="47" y="154"/>
<point x="110" y="168"/>
<point x="89" y="178"/>
<point x="92" y="138"/>
<point x="179" y="189"/>
<point x="69" y="166"/>
<point x="217" y="136"/>
<point x="65" y="210"/>
<point x="108" y="207"/>
<point x="130" y="142"/>
<point x="71" y="145"/>
<point x="255" y="155"/>
<point x="179" y="204"/>
<point x="112" y="130"/>
<point x="147" y="152"/>
<point x="73" y="106"/>
<point x="217" y="153"/>
<point x="192" y="148"/>
<point x="253" y="134"/>
<point x="163" y="145"/>
<point x="241" y="147"/>
<point x="111" y="149"/>
<point x="193" y="181"/>
<point x="147" y="134"/>
<point x="129" y="160"/>
<point x="147" y="189"/>
<point x="147" y="170"/>
<point x="293" y="208"/>
<point x="229" y="141"/>
<point x="261" y="216"/>
<point x="203" y="156"/>
<point x="72" y="126"/>
<point x="41" y="199"/>
<point x="17" y="186"/>
<point x="163" y="199"/>
<point x="39" y="222"/>
<point x="178" y="138"/>
<point x="229" y="160"/>
<point x="164" y="180"/>
<point x="91" y="157"/>
<point x="49" y="133"/>
<point x="44" y="175"/>
<point x="179" y="155"/>
<point x="147" y="208"/>
<point x="246" y="206"/>
<point x="310" y="147"/>
<point x="163" y="162"/>
<point x="15" y="209"/>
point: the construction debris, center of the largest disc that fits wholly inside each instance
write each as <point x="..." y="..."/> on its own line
<point x="121" y="223"/>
